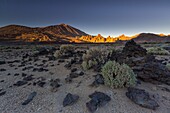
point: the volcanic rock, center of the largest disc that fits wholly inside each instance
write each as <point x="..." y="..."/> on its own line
<point x="98" y="99"/>
<point x="132" y="49"/>
<point x="30" y="98"/>
<point x="70" y="99"/>
<point x="142" y="98"/>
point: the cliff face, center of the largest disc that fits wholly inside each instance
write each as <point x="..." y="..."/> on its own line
<point x="143" y="37"/>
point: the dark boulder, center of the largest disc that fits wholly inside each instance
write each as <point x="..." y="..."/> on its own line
<point x="20" y="83"/>
<point x="70" y="99"/>
<point x="2" y="93"/>
<point x="54" y="83"/>
<point x="98" y="99"/>
<point x="30" y="98"/>
<point x="99" y="80"/>
<point x="132" y="49"/>
<point x="142" y="98"/>
<point x="28" y="78"/>
<point x="2" y="62"/>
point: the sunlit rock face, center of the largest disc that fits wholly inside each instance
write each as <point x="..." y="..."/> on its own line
<point x="32" y="37"/>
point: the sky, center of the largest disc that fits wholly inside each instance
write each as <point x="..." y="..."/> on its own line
<point x="105" y="17"/>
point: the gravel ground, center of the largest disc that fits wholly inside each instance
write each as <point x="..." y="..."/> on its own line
<point x="51" y="102"/>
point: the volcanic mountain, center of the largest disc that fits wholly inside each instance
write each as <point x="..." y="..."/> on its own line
<point x="57" y="33"/>
<point x="67" y="34"/>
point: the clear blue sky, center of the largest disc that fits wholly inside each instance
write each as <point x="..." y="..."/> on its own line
<point x="107" y="17"/>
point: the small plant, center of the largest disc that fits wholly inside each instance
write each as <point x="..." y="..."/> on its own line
<point x="157" y="51"/>
<point x="65" y="51"/>
<point x="95" y="57"/>
<point x="168" y="66"/>
<point x="117" y="76"/>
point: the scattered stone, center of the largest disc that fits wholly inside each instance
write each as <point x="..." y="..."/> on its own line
<point x="142" y="98"/>
<point x="68" y="79"/>
<point x="39" y="69"/>
<point x="2" y="69"/>
<point x="2" y="81"/>
<point x="23" y="74"/>
<point x="20" y="83"/>
<point x="73" y="75"/>
<point x="74" y="69"/>
<point x="30" y="98"/>
<point x="16" y="74"/>
<point x="70" y="99"/>
<point x="80" y="73"/>
<point x="51" y="58"/>
<point x="2" y="62"/>
<point x="61" y="60"/>
<point x="54" y="84"/>
<point x="99" y="80"/>
<point x="98" y="99"/>
<point x="40" y="82"/>
<point x="2" y="93"/>
<point x="28" y="78"/>
<point x="68" y="65"/>
<point x="15" y="61"/>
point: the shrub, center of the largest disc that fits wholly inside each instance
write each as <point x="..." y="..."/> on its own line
<point x="65" y="50"/>
<point x="168" y="66"/>
<point x="95" y="57"/>
<point x="117" y="76"/>
<point x="157" y="51"/>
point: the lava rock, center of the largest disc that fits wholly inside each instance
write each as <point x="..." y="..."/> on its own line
<point x="70" y="99"/>
<point x="20" y="83"/>
<point x="39" y="69"/>
<point x="28" y="78"/>
<point x="2" y="69"/>
<point x="16" y="74"/>
<point x="68" y="79"/>
<point x="74" y="69"/>
<point x="61" y="60"/>
<point x="2" y="62"/>
<point x="30" y="98"/>
<point x="142" y="98"/>
<point x="2" y="93"/>
<point x="40" y="82"/>
<point x="132" y="49"/>
<point x="54" y="84"/>
<point x="98" y="99"/>
<point x="99" y="80"/>
<point x="68" y="65"/>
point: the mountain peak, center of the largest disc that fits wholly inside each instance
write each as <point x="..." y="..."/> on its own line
<point x="63" y="24"/>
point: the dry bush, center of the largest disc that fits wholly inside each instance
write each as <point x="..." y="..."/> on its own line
<point x="95" y="57"/>
<point x="117" y="76"/>
<point x="65" y="50"/>
<point x="157" y="51"/>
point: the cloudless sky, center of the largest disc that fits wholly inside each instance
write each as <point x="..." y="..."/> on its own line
<point x="107" y="17"/>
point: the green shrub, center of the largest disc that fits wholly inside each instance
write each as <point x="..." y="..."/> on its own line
<point x="117" y="76"/>
<point x="157" y="51"/>
<point x="168" y="66"/>
<point x="95" y="57"/>
<point x="65" y="50"/>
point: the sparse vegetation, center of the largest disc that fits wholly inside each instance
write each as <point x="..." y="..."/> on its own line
<point x="65" y="51"/>
<point x="95" y="57"/>
<point x="157" y="51"/>
<point x="168" y="66"/>
<point x="117" y="76"/>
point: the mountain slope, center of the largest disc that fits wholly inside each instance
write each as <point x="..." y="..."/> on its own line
<point x="28" y="34"/>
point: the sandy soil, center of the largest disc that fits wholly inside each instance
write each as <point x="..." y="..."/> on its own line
<point x="51" y="102"/>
